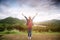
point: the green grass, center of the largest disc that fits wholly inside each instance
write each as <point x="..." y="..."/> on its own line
<point x="33" y="32"/>
<point x="46" y="32"/>
<point x="16" y="35"/>
<point x="10" y="32"/>
<point x="40" y="36"/>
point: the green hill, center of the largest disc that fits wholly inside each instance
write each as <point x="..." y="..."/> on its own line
<point x="11" y="23"/>
<point x="11" y="20"/>
<point x="53" y="25"/>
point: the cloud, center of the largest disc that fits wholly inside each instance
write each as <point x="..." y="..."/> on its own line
<point x="56" y="3"/>
<point x="46" y="9"/>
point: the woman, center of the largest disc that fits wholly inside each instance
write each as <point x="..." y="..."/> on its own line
<point x="29" y="25"/>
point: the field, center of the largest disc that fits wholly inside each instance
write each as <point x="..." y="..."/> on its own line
<point x="35" y="36"/>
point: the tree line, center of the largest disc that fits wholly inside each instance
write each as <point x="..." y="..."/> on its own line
<point x="11" y="23"/>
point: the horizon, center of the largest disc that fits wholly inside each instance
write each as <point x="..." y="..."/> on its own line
<point x="33" y="21"/>
<point x="47" y="10"/>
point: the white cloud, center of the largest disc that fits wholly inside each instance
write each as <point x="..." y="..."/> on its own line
<point x="45" y="10"/>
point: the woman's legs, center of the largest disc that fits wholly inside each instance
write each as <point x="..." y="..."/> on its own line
<point x="29" y="34"/>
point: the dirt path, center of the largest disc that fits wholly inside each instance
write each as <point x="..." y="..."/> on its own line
<point x="34" y="37"/>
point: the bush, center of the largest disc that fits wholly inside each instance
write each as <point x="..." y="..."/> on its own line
<point x="10" y="32"/>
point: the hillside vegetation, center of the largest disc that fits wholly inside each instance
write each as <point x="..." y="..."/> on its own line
<point x="51" y="25"/>
<point x="11" y="23"/>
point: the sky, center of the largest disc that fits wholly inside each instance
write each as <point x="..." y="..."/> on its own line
<point x="46" y="9"/>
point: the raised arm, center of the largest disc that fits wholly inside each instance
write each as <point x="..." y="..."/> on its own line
<point x="34" y="16"/>
<point x="24" y="16"/>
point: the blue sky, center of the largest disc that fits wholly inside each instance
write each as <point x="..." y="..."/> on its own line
<point x="46" y="9"/>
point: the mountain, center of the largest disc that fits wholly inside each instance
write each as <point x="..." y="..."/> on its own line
<point x="54" y="21"/>
<point x="10" y="22"/>
<point x="53" y="25"/>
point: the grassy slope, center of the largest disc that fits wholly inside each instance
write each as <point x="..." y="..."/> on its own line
<point x="16" y="35"/>
<point x="35" y="36"/>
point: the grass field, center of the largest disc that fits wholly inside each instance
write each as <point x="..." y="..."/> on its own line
<point x="35" y="36"/>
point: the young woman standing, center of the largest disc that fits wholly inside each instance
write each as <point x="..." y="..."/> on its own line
<point x="29" y="25"/>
